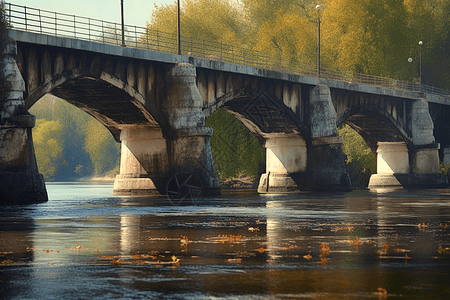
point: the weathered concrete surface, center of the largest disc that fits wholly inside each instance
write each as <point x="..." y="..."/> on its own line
<point x="284" y="156"/>
<point x="326" y="160"/>
<point x="156" y="104"/>
<point x="415" y="165"/>
<point x="149" y="158"/>
<point x="20" y="180"/>
<point x="399" y="167"/>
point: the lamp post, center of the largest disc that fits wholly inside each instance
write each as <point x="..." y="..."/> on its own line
<point x="178" y="29"/>
<point x="123" y="26"/>
<point x="318" y="8"/>
<point x="420" y="64"/>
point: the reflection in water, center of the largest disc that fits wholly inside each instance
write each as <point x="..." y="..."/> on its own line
<point x="87" y="243"/>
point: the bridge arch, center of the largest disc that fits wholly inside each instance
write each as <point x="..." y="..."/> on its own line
<point x="273" y="112"/>
<point x="114" y="91"/>
<point x="376" y="119"/>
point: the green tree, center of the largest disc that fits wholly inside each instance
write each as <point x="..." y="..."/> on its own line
<point x="361" y="161"/>
<point x="102" y="148"/>
<point x="48" y="144"/>
<point x="235" y="150"/>
<point x="87" y="147"/>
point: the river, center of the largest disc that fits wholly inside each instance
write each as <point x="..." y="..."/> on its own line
<point x="85" y="243"/>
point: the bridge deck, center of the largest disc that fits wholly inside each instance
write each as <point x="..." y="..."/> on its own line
<point x="71" y="43"/>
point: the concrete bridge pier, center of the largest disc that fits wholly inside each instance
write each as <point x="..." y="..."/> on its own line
<point x="143" y="150"/>
<point x="400" y="167"/>
<point x="19" y="176"/>
<point x="411" y="166"/>
<point x="286" y="164"/>
<point x="152" y="156"/>
<point x="326" y="160"/>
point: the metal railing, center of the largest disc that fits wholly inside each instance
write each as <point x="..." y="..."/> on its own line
<point x="82" y="28"/>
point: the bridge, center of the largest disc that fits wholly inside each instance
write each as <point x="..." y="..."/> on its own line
<point x="156" y="103"/>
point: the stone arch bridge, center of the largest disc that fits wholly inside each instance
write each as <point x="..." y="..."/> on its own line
<point x="156" y="104"/>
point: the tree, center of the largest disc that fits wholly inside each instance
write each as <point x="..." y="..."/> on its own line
<point x="360" y="160"/>
<point x="102" y="148"/>
<point x="48" y="145"/>
<point x="211" y="20"/>
<point x="235" y="150"/>
<point x="87" y="147"/>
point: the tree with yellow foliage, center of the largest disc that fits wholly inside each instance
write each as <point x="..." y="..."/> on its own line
<point x="48" y="144"/>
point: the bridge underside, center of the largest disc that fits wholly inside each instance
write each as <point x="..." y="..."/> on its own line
<point x="111" y="106"/>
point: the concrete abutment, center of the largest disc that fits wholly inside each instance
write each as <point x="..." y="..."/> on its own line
<point x="20" y="180"/>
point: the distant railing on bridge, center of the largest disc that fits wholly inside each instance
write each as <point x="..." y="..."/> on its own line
<point x="71" y="26"/>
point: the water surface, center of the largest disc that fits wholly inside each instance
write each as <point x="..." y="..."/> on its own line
<point x="86" y="243"/>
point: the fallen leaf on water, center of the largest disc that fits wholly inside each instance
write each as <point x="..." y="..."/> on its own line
<point x="235" y="260"/>
<point x="402" y="250"/>
<point x="184" y="240"/>
<point x="422" y="226"/>
<point x="442" y="250"/>
<point x="261" y="250"/>
<point x="382" y="292"/>
<point x="307" y="256"/>
<point x="116" y="261"/>
<point x="324" y="250"/>
<point x="7" y="261"/>
<point x="323" y="260"/>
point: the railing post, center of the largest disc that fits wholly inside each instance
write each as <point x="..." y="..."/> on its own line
<point x="74" y="27"/>
<point x="40" y="21"/>
<point x="103" y="33"/>
<point x="157" y="40"/>
<point x="89" y="28"/>
<point x="26" y="27"/>
<point x="56" y="31"/>
<point x="115" y="34"/>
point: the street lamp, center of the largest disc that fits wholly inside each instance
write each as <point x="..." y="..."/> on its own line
<point x="178" y="28"/>
<point x="420" y="64"/>
<point x="318" y="8"/>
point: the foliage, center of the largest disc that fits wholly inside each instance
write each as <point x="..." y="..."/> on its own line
<point x="235" y="150"/>
<point x="48" y="145"/>
<point x="212" y="20"/>
<point x="444" y="168"/>
<point x="379" y="36"/>
<point x="361" y="161"/>
<point x="102" y="149"/>
<point x="87" y="148"/>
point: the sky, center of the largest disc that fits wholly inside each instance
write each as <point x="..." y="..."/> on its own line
<point x="136" y="12"/>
